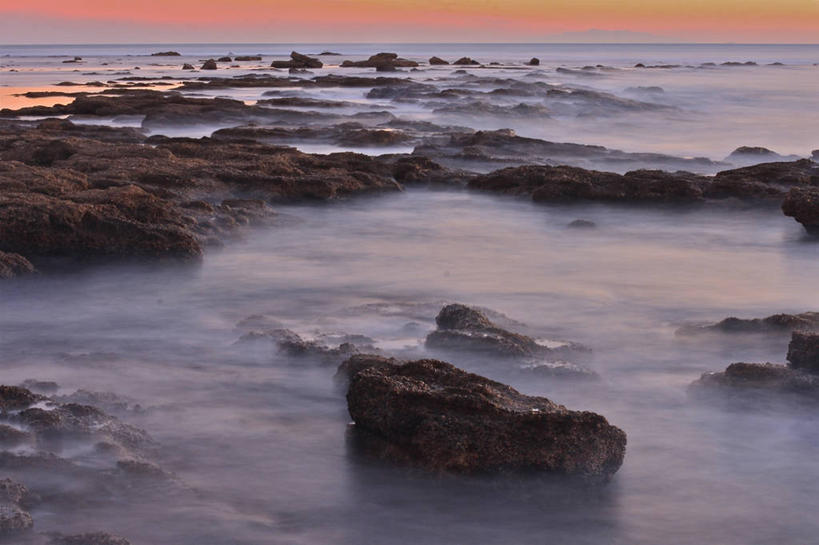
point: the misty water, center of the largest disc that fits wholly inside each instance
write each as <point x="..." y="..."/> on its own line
<point x="259" y="443"/>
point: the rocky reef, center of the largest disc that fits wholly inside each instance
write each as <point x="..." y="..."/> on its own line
<point x="431" y="414"/>
<point x="802" y="204"/>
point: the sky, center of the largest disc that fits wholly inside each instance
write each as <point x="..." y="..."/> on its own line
<point x="333" y="21"/>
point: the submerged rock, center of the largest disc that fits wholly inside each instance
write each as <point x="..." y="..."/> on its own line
<point x="209" y="64"/>
<point x="13" y="518"/>
<point x="534" y="62"/>
<point x="437" y="61"/>
<point x="166" y="54"/>
<point x="802" y="204"/>
<point x="92" y="538"/>
<point x="297" y="60"/>
<point x="431" y="414"/>
<point x="582" y="224"/>
<point x="465" y="61"/>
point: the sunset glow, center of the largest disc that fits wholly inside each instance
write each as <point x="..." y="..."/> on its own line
<point x="418" y="20"/>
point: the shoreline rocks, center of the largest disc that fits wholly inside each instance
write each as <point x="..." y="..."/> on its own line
<point x="431" y="414"/>
<point x="777" y="323"/>
<point x="381" y="62"/>
<point x="298" y="61"/>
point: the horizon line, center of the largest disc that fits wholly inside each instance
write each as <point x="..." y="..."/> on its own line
<point x="414" y="43"/>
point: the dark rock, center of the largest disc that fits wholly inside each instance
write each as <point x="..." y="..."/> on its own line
<point x="463" y="328"/>
<point x="187" y="66"/>
<point x="431" y="414"/>
<point x="297" y="60"/>
<point x="14" y="398"/>
<point x="759" y="378"/>
<point x="803" y="352"/>
<point x="224" y="59"/>
<point x="381" y="60"/>
<point x="93" y="538"/>
<point x="209" y="64"/>
<point x="246" y="58"/>
<point x="777" y="323"/>
<point x="13" y="265"/>
<point x="763" y="181"/>
<point x="534" y="62"/>
<point x="582" y="224"/>
<point x="12" y="492"/>
<point x="465" y="61"/>
<point x="802" y="204"/>
<point x="555" y="184"/>
<point x="166" y="54"/>
<point x="13" y="519"/>
<point x="436" y="61"/>
<point x="359" y="362"/>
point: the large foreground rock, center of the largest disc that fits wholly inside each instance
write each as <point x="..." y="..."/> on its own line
<point x="431" y="414"/>
<point x="802" y="204"/>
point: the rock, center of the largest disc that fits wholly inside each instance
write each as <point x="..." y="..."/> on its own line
<point x="13" y="265"/>
<point x="436" y="61"/>
<point x="13" y="519"/>
<point x="802" y="204"/>
<point x="209" y="64"/>
<point x="291" y="344"/>
<point x="803" y="352"/>
<point x="224" y="59"/>
<point x="359" y="362"/>
<point x="187" y="66"/>
<point x="534" y="62"/>
<point x="465" y="61"/>
<point x="777" y="323"/>
<point x="463" y="328"/>
<point x="383" y="60"/>
<point x="12" y="492"/>
<point x="15" y="398"/>
<point x="40" y="386"/>
<point x="763" y="181"/>
<point x="582" y="224"/>
<point x="297" y="60"/>
<point x="556" y="184"/>
<point x="166" y="54"/>
<point x="759" y="378"/>
<point x="93" y="538"/>
<point x="814" y="155"/>
<point x="246" y="58"/>
<point x="431" y="414"/>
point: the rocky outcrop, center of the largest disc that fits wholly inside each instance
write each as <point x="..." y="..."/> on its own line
<point x="297" y="60"/>
<point x="763" y="181"/>
<point x="803" y="352"/>
<point x="224" y="59"/>
<point x="209" y="64"/>
<point x="91" y="538"/>
<point x="430" y="414"/>
<point x="437" y="61"/>
<point x="187" y="66"/>
<point x="465" y="61"/>
<point x="802" y="204"/>
<point x="534" y="61"/>
<point x="777" y="323"/>
<point x="247" y="58"/>
<point x="381" y="61"/>
<point x="290" y="344"/>
<point x="166" y="54"/>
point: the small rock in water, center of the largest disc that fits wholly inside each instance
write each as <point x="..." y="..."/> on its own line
<point x="437" y="61"/>
<point x="534" y="62"/>
<point x="209" y="64"/>
<point x="434" y="415"/>
<point x="582" y="224"/>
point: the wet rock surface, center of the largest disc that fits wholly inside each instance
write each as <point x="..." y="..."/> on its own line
<point x="803" y="352"/>
<point x="802" y="204"/>
<point x="431" y="414"/>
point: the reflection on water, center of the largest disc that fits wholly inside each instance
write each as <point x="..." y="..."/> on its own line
<point x="260" y="442"/>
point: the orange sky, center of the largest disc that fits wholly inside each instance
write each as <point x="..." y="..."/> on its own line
<point x="421" y="20"/>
